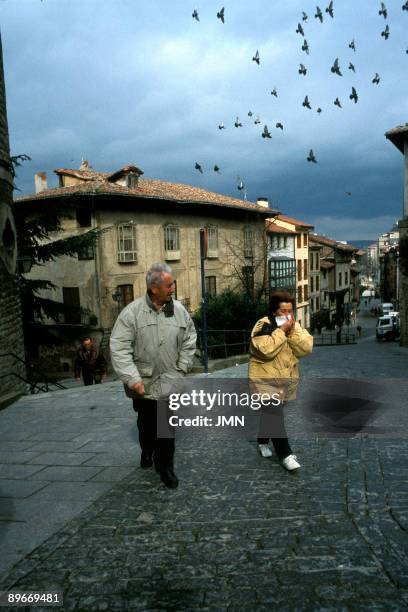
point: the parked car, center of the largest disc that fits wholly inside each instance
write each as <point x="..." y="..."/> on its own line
<point x="386" y="308"/>
<point x="388" y="326"/>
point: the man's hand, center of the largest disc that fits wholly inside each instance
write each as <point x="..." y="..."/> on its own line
<point x="288" y="326"/>
<point x="138" y="388"/>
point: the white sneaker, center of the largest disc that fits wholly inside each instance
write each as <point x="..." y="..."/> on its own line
<point x="290" y="463"/>
<point x="265" y="450"/>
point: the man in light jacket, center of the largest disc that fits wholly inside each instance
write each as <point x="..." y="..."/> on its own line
<point x="152" y="346"/>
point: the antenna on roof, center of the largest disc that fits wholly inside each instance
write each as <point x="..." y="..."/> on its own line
<point x="242" y="187"/>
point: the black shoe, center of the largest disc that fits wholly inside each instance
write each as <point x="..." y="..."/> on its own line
<point x="146" y="459"/>
<point x="169" y="478"/>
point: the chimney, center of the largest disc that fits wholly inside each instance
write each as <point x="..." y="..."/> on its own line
<point x="40" y="182"/>
<point x="263" y="202"/>
<point x="84" y="165"/>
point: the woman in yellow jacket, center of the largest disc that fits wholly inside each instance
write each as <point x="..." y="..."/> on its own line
<point x="277" y="343"/>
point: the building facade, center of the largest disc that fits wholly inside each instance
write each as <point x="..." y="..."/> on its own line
<point x="142" y="222"/>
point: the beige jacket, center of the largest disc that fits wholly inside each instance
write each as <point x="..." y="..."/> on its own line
<point x="273" y="363"/>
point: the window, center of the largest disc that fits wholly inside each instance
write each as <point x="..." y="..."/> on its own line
<point x="317" y="262"/>
<point x="249" y="242"/>
<point x="346" y="277"/>
<point x="317" y="303"/>
<point x="248" y="278"/>
<point x="70" y="297"/>
<point x="305" y="262"/>
<point x="285" y="242"/>
<point x="86" y="252"/>
<point x="125" y="295"/>
<point x="211" y="285"/>
<point x="299" y="269"/>
<point x="324" y="274"/>
<point x="127" y="243"/>
<point x="172" y="238"/>
<point x="282" y="274"/>
<point x="212" y="238"/>
<point x="299" y="241"/>
<point x="312" y="284"/>
<point x="131" y="180"/>
<point x="83" y="217"/>
<point x="299" y="292"/>
<point x="340" y="279"/>
<point x="175" y="289"/>
<point x="306" y="292"/>
<point x="304" y="240"/>
<point x="317" y="283"/>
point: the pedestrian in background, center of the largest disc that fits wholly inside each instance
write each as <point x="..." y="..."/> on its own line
<point x="277" y="343"/>
<point x="152" y="346"/>
<point x="90" y="363"/>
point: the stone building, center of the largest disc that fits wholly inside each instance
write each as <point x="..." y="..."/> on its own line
<point x="399" y="137"/>
<point x="12" y="369"/>
<point x="301" y="256"/>
<point x="337" y="280"/>
<point x="144" y="221"/>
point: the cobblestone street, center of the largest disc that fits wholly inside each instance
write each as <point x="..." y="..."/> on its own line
<point x="239" y="532"/>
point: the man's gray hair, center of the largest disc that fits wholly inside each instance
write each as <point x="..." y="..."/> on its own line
<point x="154" y="275"/>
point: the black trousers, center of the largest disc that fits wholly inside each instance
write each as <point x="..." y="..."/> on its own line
<point x="90" y="379"/>
<point x="272" y="427"/>
<point x="155" y="434"/>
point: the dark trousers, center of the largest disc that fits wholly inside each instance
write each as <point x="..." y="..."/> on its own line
<point x="90" y="379"/>
<point x="272" y="427"/>
<point x="155" y="434"/>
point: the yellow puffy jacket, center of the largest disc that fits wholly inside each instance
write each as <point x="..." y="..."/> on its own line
<point x="273" y="362"/>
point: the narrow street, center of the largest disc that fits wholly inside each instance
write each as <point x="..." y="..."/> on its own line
<point x="239" y="532"/>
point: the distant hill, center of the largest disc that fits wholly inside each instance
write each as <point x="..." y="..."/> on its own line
<point x="361" y="244"/>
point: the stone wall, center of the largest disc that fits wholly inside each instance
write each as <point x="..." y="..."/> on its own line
<point x="11" y="334"/>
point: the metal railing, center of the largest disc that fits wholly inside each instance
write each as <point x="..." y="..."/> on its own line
<point x="331" y="338"/>
<point x="36" y="379"/>
<point x="223" y="343"/>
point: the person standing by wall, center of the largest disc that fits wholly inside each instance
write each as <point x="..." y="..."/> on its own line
<point x="90" y="362"/>
<point x="152" y="346"/>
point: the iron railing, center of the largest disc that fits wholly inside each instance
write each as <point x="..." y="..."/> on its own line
<point x="36" y="379"/>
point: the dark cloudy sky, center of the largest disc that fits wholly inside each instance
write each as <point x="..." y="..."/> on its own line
<point x="126" y="81"/>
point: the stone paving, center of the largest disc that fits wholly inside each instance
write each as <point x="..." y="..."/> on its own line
<point x="238" y="533"/>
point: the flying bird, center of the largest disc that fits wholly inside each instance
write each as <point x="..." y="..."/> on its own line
<point x="337" y="103"/>
<point x="305" y="46"/>
<point x="319" y="14"/>
<point x="195" y="15"/>
<point x="351" y="67"/>
<point x="198" y="167"/>
<point x="237" y="123"/>
<point x="303" y="69"/>
<point x="383" y="10"/>
<point x="405" y="6"/>
<point x="319" y="110"/>
<point x="311" y="157"/>
<point x="250" y="113"/>
<point x="348" y="193"/>
<point x="336" y="68"/>
<point x="274" y="92"/>
<point x="330" y="10"/>
<point x="216" y="169"/>
<point x="220" y="14"/>
<point x="300" y="30"/>
<point x="304" y="16"/>
<point x="386" y="32"/>
<point x="257" y="120"/>
<point x="306" y="102"/>
<point x="279" y="125"/>
<point x="266" y="133"/>
<point x="352" y="45"/>
<point x="256" y="57"/>
<point x="221" y="126"/>
<point x="376" y="79"/>
<point x="353" y="95"/>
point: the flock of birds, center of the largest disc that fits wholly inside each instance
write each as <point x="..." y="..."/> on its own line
<point x="335" y="69"/>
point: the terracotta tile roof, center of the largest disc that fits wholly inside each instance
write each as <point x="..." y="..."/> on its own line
<point x="97" y="183"/>
<point x="332" y="243"/>
<point x="273" y="228"/>
<point x="326" y="265"/>
<point x="294" y="221"/>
